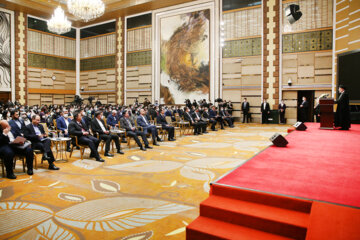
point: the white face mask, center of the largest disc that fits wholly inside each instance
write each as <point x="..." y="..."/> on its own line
<point x="66" y="115"/>
<point x="83" y="113"/>
<point x="8" y="114"/>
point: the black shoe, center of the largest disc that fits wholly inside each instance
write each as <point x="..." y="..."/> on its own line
<point x="222" y="128"/>
<point x="206" y="132"/>
<point x="171" y="139"/>
<point x="147" y="146"/>
<point x="156" y="144"/>
<point x="11" y="176"/>
<point x="77" y="148"/>
<point x="142" y="148"/>
<point x="196" y="133"/>
<point x="120" y="152"/>
<point x="68" y="149"/>
<point x="108" y="155"/>
<point x="100" y="160"/>
<point x="53" y="167"/>
<point x="123" y="141"/>
<point x="214" y="130"/>
<point x="30" y="172"/>
<point x="232" y="126"/>
<point x="159" y="140"/>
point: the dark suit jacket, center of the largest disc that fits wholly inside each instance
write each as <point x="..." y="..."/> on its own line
<point x="95" y="126"/>
<point x="30" y="134"/>
<point x="187" y="117"/>
<point x="140" y="121"/>
<point x="212" y="113"/>
<point x="245" y="108"/>
<point x="124" y="124"/>
<point x="206" y="115"/>
<point x="267" y="108"/>
<point x="4" y="140"/>
<point x="111" y="120"/>
<point x="15" y="130"/>
<point x="75" y="129"/>
<point x="161" y="120"/>
<point x="282" y="107"/>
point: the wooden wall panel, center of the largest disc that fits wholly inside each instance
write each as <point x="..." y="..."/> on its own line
<point x="98" y="80"/>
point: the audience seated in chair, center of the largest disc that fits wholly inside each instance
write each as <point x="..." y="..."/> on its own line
<point x="98" y="127"/>
<point x="79" y="129"/>
<point x="39" y="140"/>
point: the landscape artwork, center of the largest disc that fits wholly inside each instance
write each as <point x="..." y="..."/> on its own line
<point x="185" y="57"/>
<point x="5" y="60"/>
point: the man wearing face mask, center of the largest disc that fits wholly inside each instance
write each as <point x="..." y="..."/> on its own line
<point x="25" y="118"/>
<point x="62" y="124"/>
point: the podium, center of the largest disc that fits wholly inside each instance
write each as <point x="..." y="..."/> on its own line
<point x="326" y="113"/>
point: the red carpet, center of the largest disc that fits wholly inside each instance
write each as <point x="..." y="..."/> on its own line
<point x="316" y="164"/>
<point x="260" y="199"/>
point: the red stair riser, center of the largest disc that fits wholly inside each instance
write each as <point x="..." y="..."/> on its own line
<point x="262" y="198"/>
<point x="257" y="223"/>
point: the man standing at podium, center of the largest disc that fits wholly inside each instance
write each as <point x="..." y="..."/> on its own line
<point x="342" y="115"/>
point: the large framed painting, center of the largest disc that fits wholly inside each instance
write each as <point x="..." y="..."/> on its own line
<point x="6" y="50"/>
<point x="183" y="54"/>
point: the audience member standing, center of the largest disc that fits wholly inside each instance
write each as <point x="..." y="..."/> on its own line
<point x="282" y="109"/>
<point x="265" y="111"/>
<point x="342" y="116"/>
<point x="245" y="107"/>
<point x="303" y="110"/>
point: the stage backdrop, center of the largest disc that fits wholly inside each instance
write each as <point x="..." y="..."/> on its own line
<point x="5" y="47"/>
<point x="184" y="52"/>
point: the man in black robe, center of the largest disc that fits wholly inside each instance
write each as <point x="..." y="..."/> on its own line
<point x="342" y="115"/>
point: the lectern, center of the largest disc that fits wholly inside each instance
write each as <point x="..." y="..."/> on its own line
<point x="326" y="113"/>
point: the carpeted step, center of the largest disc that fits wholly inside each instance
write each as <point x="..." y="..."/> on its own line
<point x="280" y="221"/>
<point x="211" y="229"/>
<point x="262" y="198"/>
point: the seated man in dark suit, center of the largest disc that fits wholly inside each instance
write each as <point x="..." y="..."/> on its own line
<point x="226" y="117"/>
<point x="212" y="121"/>
<point x="197" y="118"/>
<point x="39" y="140"/>
<point x="81" y="130"/>
<point x="98" y="127"/>
<point x="131" y="131"/>
<point x="7" y="154"/>
<point x="17" y="124"/>
<point x="143" y="122"/>
<point x="191" y="120"/>
<point x="214" y="115"/>
<point x="161" y="119"/>
<point x="62" y="124"/>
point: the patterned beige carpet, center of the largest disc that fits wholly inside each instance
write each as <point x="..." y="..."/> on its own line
<point x="139" y="195"/>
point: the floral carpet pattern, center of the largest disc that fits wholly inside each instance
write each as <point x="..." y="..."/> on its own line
<point x="139" y="195"/>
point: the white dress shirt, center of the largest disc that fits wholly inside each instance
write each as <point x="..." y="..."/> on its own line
<point x="101" y="125"/>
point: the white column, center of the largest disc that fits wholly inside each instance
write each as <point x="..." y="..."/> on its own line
<point x="78" y="61"/>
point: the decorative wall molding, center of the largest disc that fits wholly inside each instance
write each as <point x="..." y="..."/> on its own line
<point x="119" y="61"/>
<point x="21" y="60"/>
<point x="271" y="52"/>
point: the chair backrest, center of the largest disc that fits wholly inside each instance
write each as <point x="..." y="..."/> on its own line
<point x="45" y="128"/>
<point x="104" y="118"/>
<point x="168" y="119"/>
<point x="55" y="124"/>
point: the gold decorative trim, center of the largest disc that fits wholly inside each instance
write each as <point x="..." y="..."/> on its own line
<point x="21" y="44"/>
